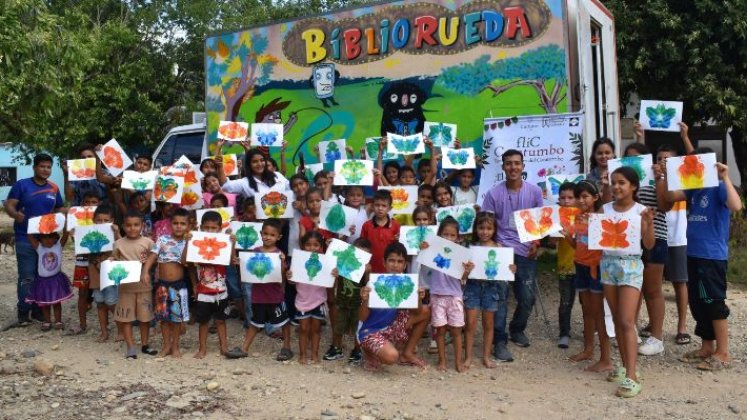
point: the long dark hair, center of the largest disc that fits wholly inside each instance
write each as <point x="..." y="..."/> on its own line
<point x="598" y="142"/>
<point x="632" y="177"/>
<point x="267" y="176"/>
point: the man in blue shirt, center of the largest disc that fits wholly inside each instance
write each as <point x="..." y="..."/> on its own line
<point x="709" y="212"/>
<point x="30" y="197"/>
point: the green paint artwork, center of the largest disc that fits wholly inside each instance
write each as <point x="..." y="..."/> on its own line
<point x="94" y="241"/>
<point x="635" y="163"/>
<point x="260" y="265"/>
<point x="140" y="184"/>
<point x="466" y="218"/>
<point x="117" y="274"/>
<point x="313" y="266"/>
<point x="347" y="261"/>
<point x="246" y="236"/>
<point x="353" y="171"/>
<point x="491" y="265"/>
<point x="336" y="220"/>
<point x="415" y="237"/>
<point x="394" y="289"/>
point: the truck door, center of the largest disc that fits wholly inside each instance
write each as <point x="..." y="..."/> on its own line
<point x="598" y="73"/>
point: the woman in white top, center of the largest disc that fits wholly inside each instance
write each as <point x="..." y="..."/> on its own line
<point x="258" y="177"/>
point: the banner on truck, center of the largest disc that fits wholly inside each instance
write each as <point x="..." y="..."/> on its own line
<point x="551" y="144"/>
<point x="384" y="68"/>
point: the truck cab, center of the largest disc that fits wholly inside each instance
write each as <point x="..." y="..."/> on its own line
<point x="187" y="140"/>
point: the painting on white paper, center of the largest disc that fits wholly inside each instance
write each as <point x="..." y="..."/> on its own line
<point x="536" y="223"/>
<point x="226" y="214"/>
<point x="248" y="234"/>
<point x="353" y="172"/>
<point x="209" y="248"/>
<point x="94" y="239"/>
<point x="444" y="256"/>
<point x="641" y="164"/>
<point x="312" y="268"/>
<point x="114" y="157"/>
<point x="138" y="181"/>
<point x="349" y="260"/>
<point x="168" y="189"/>
<point x="274" y="203"/>
<point x="337" y="218"/>
<point x="405" y="145"/>
<point x="114" y="273"/>
<point x="81" y="169"/>
<point x="441" y="134"/>
<point x="412" y="236"/>
<point x="330" y="151"/>
<point x="492" y="263"/>
<point x="393" y="291"/>
<point x="692" y="172"/>
<point x="233" y="130"/>
<point x="372" y="150"/>
<point x="463" y="158"/>
<point x="260" y="267"/>
<point x="553" y="183"/>
<point x="80" y="216"/>
<point x="48" y="223"/>
<point x="404" y="198"/>
<point x="661" y="115"/>
<point x="619" y="234"/>
<point x="267" y="135"/>
<point x="464" y="214"/>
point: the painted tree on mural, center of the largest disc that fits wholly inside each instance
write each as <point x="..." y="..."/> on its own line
<point x="239" y="67"/>
<point x="543" y="69"/>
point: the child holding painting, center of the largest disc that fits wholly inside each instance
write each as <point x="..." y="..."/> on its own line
<point x="381" y="230"/>
<point x="566" y="272"/>
<point x="135" y="299"/>
<point x="51" y="286"/>
<point x="105" y="299"/>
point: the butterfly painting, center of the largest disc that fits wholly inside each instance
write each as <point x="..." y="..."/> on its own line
<point x="444" y="256"/>
<point x="492" y="263"/>
<point x="553" y="183"/>
<point x="114" y="157"/>
<point x="458" y="158"/>
<point x="464" y="215"/>
<point x="692" y="172"/>
<point x="353" y="172"/>
<point x="393" y="291"/>
<point x="441" y="134"/>
<point x="615" y="233"/>
<point x="372" y="150"/>
<point x="405" y="145"/>
<point x="138" y="181"/>
<point x="641" y="164"/>
<point x="81" y="169"/>
<point x="168" y="189"/>
<point x="536" y="223"/>
<point x="267" y="134"/>
<point x="248" y="234"/>
<point x="312" y="268"/>
<point x="661" y="115"/>
<point x="274" y="204"/>
<point x="412" y="236"/>
<point x="349" y="260"/>
<point x="209" y="248"/>
<point x="233" y="131"/>
<point x="80" y="216"/>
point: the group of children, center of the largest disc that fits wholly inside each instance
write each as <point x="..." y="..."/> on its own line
<point x="174" y="291"/>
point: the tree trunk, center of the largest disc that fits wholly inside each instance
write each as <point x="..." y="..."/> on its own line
<point x="739" y="143"/>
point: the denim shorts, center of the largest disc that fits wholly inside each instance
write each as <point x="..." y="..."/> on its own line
<point x="481" y="295"/>
<point x="622" y="271"/>
<point x="585" y="282"/>
<point x="233" y="284"/>
<point x="657" y="254"/>
<point x="109" y="296"/>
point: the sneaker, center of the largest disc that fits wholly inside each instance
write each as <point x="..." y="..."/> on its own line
<point x="333" y="353"/>
<point x="564" y="341"/>
<point x="651" y="347"/>
<point x="355" y="357"/>
<point x="502" y="354"/>
<point x="520" y="339"/>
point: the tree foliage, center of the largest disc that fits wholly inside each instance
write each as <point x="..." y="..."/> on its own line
<point x="689" y="50"/>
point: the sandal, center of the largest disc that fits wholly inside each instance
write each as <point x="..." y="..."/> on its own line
<point x="682" y="338"/>
<point x="236" y="353"/>
<point x="712" y="364"/>
<point x="617" y="374"/>
<point x="628" y="388"/>
<point x="692" y="357"/>
<point x="46" y="326"/>
<point x="284" y="355"/>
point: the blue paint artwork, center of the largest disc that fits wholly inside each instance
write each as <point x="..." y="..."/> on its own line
<point x="441" y="261"/>
<point x="266" y="137"/>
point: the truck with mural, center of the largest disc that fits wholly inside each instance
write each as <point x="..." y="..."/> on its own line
<point x="361" y="72"/>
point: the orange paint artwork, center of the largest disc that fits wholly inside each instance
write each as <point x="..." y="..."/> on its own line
<point x="692" y="172"/>
<point x="229" y="164"/>
<point x="613" y="234"/>
<point x="48" y="224"/>
<point x="83" y="168"/>
<point x="399" y="198"/>
<point x="534" y="227"/>
<point x="189" y="198"/>
<point x="209" y="248"/>
<point x="83" y="215"/>
<point x="232" y="131"/>
<point x="112" y="158"/>
<point x="568" y="217"/>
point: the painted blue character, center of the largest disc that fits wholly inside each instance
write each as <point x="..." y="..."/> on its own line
<point x="323" y="80"/>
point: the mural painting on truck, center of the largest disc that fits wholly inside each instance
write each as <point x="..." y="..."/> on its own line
<point x="389" y="67"/>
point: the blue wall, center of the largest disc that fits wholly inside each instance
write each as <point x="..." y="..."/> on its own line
<point x="7" y="159"/>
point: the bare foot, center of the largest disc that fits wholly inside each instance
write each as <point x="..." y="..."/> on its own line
<point x="461" y="368"/>
<point x="412" y="360"/>
<point x="441" y="367"/>
<point x="600" y="367"/>
<point x="223" y="352"/>
<point x="119" y="338"/>
<point x="163" y="353"/>
<point x="315" y="360"/>
<point x="581" y="356"/>
<point x="468" y="362"/>
<point x="303" y="360"/>
<point x="176" y="353"/>
<point x="103" y="338"/>
<point x="200" y="354"/>
<point x="488" y="363"/>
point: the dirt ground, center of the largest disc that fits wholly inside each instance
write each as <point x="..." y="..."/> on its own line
<point x="85" y="379"/>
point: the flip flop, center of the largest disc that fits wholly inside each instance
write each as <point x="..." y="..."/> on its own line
<point x="236" y="353"/>
<point x="682" y="338"/>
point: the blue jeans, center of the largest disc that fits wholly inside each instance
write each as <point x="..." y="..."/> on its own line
<point x="524" y="292"/>
<point x="246" y="293"/>
<point x="26" y="261"/>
